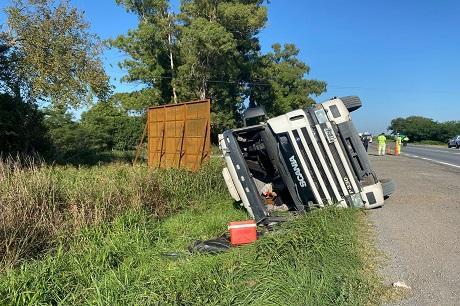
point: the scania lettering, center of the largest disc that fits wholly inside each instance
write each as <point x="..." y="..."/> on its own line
<point x="297" y="172"/>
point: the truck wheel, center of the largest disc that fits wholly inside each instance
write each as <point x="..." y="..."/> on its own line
<point x="352" y="103"/>
<point x="388" y="187"/>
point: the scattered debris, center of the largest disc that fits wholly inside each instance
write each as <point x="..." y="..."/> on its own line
<point x="282" y="207"/>
<point x="173" y="255"/>
<point x="212" y="246"/>
<point x="401" y="284"/>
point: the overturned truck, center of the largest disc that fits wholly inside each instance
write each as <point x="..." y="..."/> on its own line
<point x="301" y="160"/>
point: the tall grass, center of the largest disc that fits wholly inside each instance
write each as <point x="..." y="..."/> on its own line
<point x="42" y="205"/>
<point x="110" y="228"/>
<point x="314" y="260"/>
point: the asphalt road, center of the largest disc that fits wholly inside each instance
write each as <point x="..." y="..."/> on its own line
<point x="418" y="228"/>
<point x="445" y="156"/>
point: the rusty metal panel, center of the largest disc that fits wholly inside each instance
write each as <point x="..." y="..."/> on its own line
<point x="179" y="135"/>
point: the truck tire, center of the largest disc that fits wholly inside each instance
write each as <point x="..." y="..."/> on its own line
<point x="352" y="103"/>
<point x="388" y="187"/>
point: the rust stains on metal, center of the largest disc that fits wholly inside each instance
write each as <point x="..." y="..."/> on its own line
<point x="179" y="135"/>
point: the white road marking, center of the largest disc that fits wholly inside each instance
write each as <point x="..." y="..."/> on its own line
<point x="432" y="160"/>
<point x="442" y="151"/>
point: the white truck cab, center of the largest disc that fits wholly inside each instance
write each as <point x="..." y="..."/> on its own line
<point x="311" y="158"/>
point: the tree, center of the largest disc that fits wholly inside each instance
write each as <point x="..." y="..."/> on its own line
<point x="219" y="46"/>
<point x="152" y="49"/>
<point x="216" y="54"/>
<point x="10" y="82"/>
<point x="279" y="81"/>
<point x="21" y="127"/>
<point x="419" y="128"/>
<point x="21" y="123"/>
<point x="57" y="58"/>
<point x="70" y="141"/>
<point x="101" y="123"/>
<point x="129" y="133"/>
<point x="109" y="127"/>
<point x="448" y="129"/>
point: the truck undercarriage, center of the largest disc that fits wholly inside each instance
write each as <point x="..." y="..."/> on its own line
<point x="302" y="160"/>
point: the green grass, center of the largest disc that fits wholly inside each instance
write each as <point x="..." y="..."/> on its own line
<point x="314" y="260"/>
<point x="322" y="258"/>
<point x="42" y="205"/>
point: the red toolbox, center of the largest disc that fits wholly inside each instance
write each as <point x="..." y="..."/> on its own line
<point x="242" y="232"/>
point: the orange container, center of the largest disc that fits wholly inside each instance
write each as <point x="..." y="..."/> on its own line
<point x="242" y="232"/>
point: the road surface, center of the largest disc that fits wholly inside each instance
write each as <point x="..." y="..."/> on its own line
<point x="445" y="156"/>
<point x="418" y="228"/>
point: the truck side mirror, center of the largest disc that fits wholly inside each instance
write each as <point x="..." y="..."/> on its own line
<point x="254" y="112"/>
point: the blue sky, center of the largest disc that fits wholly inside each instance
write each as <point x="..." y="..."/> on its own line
<point x="400" y="57"/>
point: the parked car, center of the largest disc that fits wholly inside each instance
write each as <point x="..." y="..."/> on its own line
<point x="454" y="142"/>
<point x="304" y="159"/>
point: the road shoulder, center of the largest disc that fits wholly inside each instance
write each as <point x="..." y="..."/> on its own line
<point x="418" y="229"/>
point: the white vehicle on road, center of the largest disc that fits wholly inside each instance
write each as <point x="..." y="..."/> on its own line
<point x="454" y="142"/>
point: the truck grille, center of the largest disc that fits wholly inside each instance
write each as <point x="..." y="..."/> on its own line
<point x="327" y="170"/>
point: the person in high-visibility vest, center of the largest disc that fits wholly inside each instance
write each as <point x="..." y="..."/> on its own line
<point x="382" y="140"/>
<point x="405" y="140"/>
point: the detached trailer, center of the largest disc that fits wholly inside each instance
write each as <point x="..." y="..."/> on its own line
<point x="310" y="158"/>
<point x="179" y="135"/>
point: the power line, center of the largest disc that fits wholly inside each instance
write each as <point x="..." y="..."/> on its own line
<point x="265" y="83"/>
<point x="395" y="90"/>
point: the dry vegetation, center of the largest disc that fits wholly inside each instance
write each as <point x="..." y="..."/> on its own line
<point x="99" y="235"/>
<point x="41" y="205"/>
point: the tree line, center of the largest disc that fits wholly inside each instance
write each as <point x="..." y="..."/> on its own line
<point x="419" y="128"/>
<point x="51" y="72"/>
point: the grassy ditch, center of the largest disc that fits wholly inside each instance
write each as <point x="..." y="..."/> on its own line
<point x="322" y="258"/>
<point x="43" y="206"/>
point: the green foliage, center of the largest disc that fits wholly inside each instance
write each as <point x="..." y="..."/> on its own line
<point x="70" y="141"/>
<point x="58" y="59"/>
<point x="151" y="48"/>
<point x="447" y="130"/>
<point x="21" y="127"/>
<point x="10" y="82"/>
<point x="285" y="88"/>
<point x="420" y="128"/>
<point x="135" y="102"/>
<point x="109" y="127"/>
<point x="21" y="123"/>
<point x="48" y="54"/>
<point x="210" y="49"/>
<point x="103" y="128"/>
